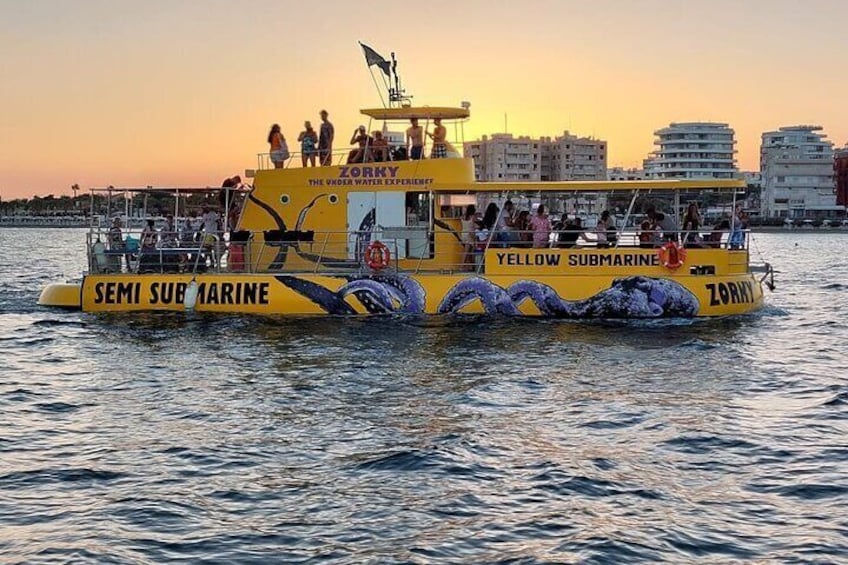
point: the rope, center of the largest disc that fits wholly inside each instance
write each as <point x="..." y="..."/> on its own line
<point x="768" y="276"/>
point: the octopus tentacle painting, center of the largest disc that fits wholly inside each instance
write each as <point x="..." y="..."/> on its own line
<point x="628" y="297"/>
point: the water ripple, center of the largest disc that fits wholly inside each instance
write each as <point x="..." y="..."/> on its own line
<point x="155" y="438"/>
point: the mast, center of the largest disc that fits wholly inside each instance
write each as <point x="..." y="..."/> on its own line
<point x="397" y="95"/>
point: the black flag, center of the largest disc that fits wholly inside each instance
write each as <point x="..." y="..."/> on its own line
<point x="374" y="58"/>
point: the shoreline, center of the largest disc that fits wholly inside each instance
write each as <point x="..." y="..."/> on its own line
<point x="755" y="229"/>
<point x="43" y="226"/>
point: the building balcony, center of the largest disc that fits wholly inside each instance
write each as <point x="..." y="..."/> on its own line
<point x="723" y="161"/>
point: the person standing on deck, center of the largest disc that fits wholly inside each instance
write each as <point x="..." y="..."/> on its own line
<point x="415" y="139"/>
<point x="691" y="225"/>
<point x="468" y="222"/>
<point x="168" y="234"/>
<point x="439" y="150"/>
<point x="667" y="225"/>
<point x="505" y="224"/>
<point x="210" y="233"/>
<point x="738" y="222"/>
<point x="116" y="243"/>
<point x="325" y="140"/>
<point x="541" y="226"/>
<point x="308" y="138"/>
<point x="279" y="149"/>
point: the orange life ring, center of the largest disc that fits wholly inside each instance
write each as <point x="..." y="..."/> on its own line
<point x="671" y="255"/>
<point x="377" y="255"/>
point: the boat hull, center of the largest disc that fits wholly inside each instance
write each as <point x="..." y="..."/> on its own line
<point x="61" y="295"/>
<point x="560" y="296"/>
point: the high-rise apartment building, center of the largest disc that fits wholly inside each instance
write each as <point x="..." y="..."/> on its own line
<point x="693" y="150"/>
<point x="796" y="163"/>
<point x="503" y="157"/>
<point x="840" y="174"/>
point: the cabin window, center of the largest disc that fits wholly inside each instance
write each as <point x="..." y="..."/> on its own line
<point x="418" y="208"/>
<point x="420" y="244"/>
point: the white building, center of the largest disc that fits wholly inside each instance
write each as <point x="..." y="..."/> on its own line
<point x="753" y="191"/>
<point x="503" y="157"/>
<point x="620" y="173"/>
<point x="578" y="158"/>
<point x="796" y="163"/>
<point x="693" y="150"/>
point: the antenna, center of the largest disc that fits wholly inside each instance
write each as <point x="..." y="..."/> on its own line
<point x="397" y="94"/>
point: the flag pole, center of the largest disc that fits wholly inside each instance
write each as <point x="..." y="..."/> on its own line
<point x="371" y="72"/>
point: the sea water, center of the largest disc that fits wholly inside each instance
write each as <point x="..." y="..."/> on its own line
<point x="235" y="439"/>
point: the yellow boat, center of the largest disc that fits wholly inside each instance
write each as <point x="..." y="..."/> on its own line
<point x="386" y="237"/>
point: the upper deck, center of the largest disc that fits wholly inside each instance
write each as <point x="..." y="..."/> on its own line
<point x="454" y="174"/>
<point x="450" y="172"/>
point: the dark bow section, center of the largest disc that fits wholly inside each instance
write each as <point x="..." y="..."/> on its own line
<point x="630" y="297"/>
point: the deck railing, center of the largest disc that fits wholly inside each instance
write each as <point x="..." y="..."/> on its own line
<point x="410" y="249"/>
<point x="339" y="157"/>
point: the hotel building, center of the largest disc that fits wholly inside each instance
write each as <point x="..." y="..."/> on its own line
<point x="797" y="166"/>
<point x="693" y="150"/>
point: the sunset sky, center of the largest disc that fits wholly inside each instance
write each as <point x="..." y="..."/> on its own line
<point x="182" y="92"/>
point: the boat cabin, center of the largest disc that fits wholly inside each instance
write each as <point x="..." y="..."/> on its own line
<point x="381" y="210"/>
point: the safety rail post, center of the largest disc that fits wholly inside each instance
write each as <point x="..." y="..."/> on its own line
<point x="88" y="251"/>
<point x="259" y="255"/>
